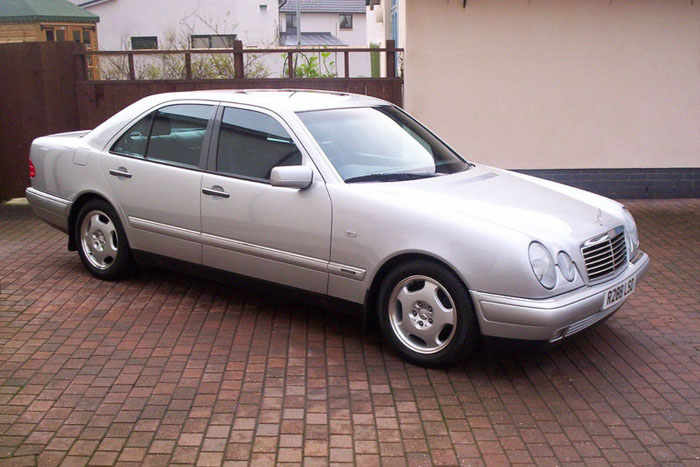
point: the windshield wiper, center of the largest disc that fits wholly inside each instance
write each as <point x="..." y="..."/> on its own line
<point x="390" y="177"/>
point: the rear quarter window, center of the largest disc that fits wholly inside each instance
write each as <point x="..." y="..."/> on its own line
<point x="133" y="142"/>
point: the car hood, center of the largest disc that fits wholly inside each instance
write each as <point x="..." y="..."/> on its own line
<point x="544" y="210"/>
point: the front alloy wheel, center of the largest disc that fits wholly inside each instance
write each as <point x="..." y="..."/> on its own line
<point x="422" y="314"/>
<point x="426" y="313"/>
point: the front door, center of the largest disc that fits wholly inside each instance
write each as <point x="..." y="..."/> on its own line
<point x="155" y="172"/>
<point x="253" y="228"/>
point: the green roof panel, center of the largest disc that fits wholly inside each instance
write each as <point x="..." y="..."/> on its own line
<point x="24" y="11"/>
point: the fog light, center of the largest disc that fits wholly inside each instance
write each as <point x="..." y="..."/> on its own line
<point x="558" y="335"/>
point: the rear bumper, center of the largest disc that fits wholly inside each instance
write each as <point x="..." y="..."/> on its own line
<point x="554" y="318"/>
<point x="51" y="209"/>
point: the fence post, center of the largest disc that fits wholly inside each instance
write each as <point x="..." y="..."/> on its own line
<point x="132" y="73"/>
<point x="188" y="66"/>
<point x="391" y="58"/>
<point x="290" y="64"/>
<point x="238" y="64"/>
<point x="346" y="57"/>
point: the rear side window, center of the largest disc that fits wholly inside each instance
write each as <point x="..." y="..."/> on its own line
<point x="251" y="144"/>
<point x="177" y="134"/>
<point x="172" y="134"/>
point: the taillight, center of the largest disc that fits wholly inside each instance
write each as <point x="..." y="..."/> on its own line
<point x="32" y="169"/>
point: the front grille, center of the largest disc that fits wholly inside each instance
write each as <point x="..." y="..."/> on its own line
<point x="605" y="254"/>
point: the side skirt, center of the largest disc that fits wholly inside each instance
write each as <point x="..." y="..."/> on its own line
<point x="336" y="305"/>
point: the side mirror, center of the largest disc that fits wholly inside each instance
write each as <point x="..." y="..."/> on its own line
<point x="292" y="176"/>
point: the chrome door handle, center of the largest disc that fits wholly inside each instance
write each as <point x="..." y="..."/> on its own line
<point x="120" y="172"/>
<point x="215" y="191"/>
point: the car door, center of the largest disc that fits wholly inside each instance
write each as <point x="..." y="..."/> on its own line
<point x="154" y="171"/>
<point x="251" y="227"/>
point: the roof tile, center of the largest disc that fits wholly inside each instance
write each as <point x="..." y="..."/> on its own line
<point x="324" y="6"/>
<point x="15" y="11"/>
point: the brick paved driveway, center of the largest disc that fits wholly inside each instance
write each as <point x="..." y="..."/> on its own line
<point x="167" y="368"/>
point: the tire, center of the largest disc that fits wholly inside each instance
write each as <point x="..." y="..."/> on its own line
<point x="101" y="241"/>
<point x="426" y="314"/>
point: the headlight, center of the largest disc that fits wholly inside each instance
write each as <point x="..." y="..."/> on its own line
<point x="630" y="232"/>
<point x="566" y="266"/>
<point x="542" y="265"/>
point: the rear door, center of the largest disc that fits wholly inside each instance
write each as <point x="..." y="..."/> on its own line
<point x="251" y="227"/>
<point x="155" y="172"/>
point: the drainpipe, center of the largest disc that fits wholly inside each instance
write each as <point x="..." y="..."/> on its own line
<point x="298" y="24"/>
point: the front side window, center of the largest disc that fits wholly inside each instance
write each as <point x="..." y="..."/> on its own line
<point x="345" y="21"/>
<point x="381" y="143"/>
<point x="172" y="134"/>
<point x="251" y="144"/>
<point x="144" y="43"/>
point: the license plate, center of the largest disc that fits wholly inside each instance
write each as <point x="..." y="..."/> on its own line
<point x="618" y="293"/>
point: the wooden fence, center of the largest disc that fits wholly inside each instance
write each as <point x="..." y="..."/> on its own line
<point x="44" y="89"/>
<point x="37" y="97"/>
<point x="97" y="100"/>
<point x="238" y="53"/>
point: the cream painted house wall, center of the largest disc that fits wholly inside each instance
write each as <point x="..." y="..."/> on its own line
<point x="545" y="84"/>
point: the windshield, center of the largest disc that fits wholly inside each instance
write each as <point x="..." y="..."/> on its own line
<point x="380" y="144"/>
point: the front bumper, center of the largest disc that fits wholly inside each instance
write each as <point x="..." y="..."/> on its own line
<point x="52" y="209"/>
<point x="554" y="318"/>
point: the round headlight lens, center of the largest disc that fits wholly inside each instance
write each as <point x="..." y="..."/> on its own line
<point x="542" y="265"/>
<point x="631" y="232"/>
<point x="566" y="266"/>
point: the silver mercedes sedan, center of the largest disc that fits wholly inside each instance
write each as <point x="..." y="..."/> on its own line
<point x="345" y="196"/>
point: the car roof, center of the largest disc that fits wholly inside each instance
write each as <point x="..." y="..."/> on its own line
<point x="282" y="101"/>
<point x="294" y="100"/>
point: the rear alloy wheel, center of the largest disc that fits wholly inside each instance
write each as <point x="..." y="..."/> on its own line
<point x="426" y="313"/>
<point x="101" y="241"/>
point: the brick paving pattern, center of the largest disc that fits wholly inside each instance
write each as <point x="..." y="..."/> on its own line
<point x="166" y="368"/>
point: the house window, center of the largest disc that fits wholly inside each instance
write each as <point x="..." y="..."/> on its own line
<point x="50" y="35"/>
<point x="144" y="42"/>
<point x="291" y="21"/>
<point x="212" y="41"/>
<point x="345" y="21"/>
<point x="60" y="35"/>
<point x="87" y="40"/>
<point x="263" y="8"/>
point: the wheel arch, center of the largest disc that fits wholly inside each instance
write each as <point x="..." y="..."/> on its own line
<point x="79" y="202"/>
<point x="390" y="263"/>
